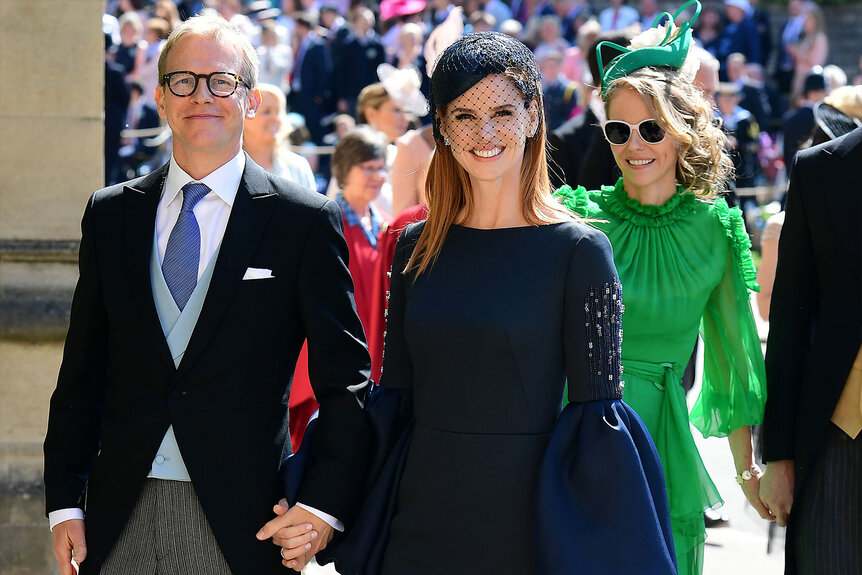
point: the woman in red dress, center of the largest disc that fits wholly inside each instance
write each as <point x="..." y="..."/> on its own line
<point x="359" y="167"/>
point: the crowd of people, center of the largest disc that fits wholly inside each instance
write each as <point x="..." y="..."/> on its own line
<point x="322" y="56"/>
<point x="511" y="425"/>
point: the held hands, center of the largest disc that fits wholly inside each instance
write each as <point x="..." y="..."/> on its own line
<point x="743" y="458"/>
<point x="298" y="532"/>
<point x="69" y="544"/>
<point x="776" y="489"/>
<point x="751" y="489"/>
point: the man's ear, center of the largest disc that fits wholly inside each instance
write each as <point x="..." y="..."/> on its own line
<point x="254" y="98"/>
<point x="159" y="96"/>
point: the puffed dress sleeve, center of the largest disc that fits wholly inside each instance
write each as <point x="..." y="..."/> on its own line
<point x="733" y="393"/>
<point x="601" y="504"/>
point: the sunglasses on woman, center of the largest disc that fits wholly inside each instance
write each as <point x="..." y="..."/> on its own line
<point x="619" y="133"/>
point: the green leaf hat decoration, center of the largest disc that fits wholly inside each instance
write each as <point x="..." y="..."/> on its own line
<point x="670" y="52"/>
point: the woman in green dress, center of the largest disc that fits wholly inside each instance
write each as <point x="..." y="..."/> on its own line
<point x="684" y="263"/>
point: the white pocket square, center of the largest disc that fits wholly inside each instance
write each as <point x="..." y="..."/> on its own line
<point x="257" y="274"/>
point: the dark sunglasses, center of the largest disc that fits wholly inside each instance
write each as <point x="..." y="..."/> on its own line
<point x="619" y="133"/>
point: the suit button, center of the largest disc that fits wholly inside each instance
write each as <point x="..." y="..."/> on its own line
<point x="159" y="459"/>
<point x="179" y="393"/>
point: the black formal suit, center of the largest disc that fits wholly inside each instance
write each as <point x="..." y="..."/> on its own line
<point x="798" y="127"/>
<point x="357" y="67"/>
<point x="816" y="312"/>
<point x="313" y="99"/>
<point x="118" y="389"/>
<point x="597" y="166"/>
<point x="568" y="145"/>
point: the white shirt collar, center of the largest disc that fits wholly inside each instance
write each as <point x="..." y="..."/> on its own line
<point x="224" y="180"/>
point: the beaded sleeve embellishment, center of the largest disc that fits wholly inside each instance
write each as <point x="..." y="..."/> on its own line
<point x="603" y="310"/>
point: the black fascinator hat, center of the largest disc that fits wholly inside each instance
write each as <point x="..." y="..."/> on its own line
<point x="473" y="57"/>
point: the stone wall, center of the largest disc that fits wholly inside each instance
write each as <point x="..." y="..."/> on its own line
<point x="51" y="160"/>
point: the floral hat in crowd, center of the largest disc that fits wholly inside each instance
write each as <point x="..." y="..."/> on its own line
<point x="660" y="45"/>
<point x="403" y="87"/>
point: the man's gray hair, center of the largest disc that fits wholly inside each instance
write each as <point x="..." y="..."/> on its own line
<point x="211" y="24"/>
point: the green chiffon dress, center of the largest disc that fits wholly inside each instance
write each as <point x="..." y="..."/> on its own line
<point x="685" y="266"/>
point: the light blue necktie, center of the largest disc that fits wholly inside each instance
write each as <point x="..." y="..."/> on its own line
<point x="183" y="253"/>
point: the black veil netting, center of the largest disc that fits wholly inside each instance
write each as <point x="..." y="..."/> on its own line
<point x="473" y="57"/>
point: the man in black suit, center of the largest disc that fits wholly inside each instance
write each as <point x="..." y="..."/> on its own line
<point x="799" y="122"/>
<point x="578" y="151"/>
<point x="360" y="55"/>
<point x="311" y="83"/>
<point x="198" y="285"/>
<point x="811" y="429"/>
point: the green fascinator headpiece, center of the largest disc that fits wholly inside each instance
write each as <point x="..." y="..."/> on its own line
<point x="661" y="45"/>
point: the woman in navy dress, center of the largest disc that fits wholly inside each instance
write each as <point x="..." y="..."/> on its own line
<point x="496" y="301"/>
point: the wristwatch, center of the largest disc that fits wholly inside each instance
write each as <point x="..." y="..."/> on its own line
<point x="747" y="474"/>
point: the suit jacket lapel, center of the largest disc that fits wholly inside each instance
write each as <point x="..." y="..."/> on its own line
<point x="845" y="202"/>
<point x="140" y="202"/>
<point x="255" y="200"/>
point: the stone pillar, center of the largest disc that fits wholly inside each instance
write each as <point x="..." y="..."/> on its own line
<point x="51" y="160"/>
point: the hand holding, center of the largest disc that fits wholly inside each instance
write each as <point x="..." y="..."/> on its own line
<point x="776" y="489"/>
<point x="751" y="488"/>
<point x="69" y="544"/>
<point x="298" y="532"/>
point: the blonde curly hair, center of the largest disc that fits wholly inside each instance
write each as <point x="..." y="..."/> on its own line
<point x="703" y="165"/>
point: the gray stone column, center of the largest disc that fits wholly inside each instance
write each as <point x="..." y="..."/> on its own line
<point x="51" y="160"/>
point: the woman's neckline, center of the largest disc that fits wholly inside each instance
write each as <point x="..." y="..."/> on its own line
<point x="528" y="226"/>
<point x="618" y="202"/>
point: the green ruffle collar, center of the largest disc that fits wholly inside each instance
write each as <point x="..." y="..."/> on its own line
<point x="615" y="201"/>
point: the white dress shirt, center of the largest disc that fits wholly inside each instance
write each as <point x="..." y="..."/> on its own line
<point x="212" y="213"/>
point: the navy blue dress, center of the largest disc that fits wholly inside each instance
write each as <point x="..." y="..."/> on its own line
<point x="496" y="479"/>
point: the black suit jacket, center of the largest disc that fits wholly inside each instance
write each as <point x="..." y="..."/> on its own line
<point x="118" y="390"/>
<point x="580" y="155"/>
<point x="816" y="312"/>
<point x="357" y="67"/>
<point x="314" y="99"/>
<point x="798" y="127"/>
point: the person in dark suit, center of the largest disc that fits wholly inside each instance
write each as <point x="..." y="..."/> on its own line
<point x="811" y="430"/>
<point x="138" y="153"/>
<point x="360" y="55"/>
<point x="116" y="107"/>
<point x="799" y="123"/>
<point x="311" y="84"/>
<point x="198" y="284"/>
<point x="578" y="152"/>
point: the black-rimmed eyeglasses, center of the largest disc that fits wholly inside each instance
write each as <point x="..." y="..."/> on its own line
<point x="618" y="132"/>
<point x="220" y="84"/>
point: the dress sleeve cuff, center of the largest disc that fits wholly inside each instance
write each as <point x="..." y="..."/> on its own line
<point x="61" y="515"/>
<point x="332" y="521"/>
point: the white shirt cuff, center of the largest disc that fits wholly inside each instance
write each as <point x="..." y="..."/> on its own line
<point x="57" y="517"/>
<point x="332" y="521"/>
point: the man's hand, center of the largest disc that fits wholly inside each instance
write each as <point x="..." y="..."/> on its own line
<point x="299" y="533"/>
<point x="776" y="489"/>
<point x="69" y="544"/>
